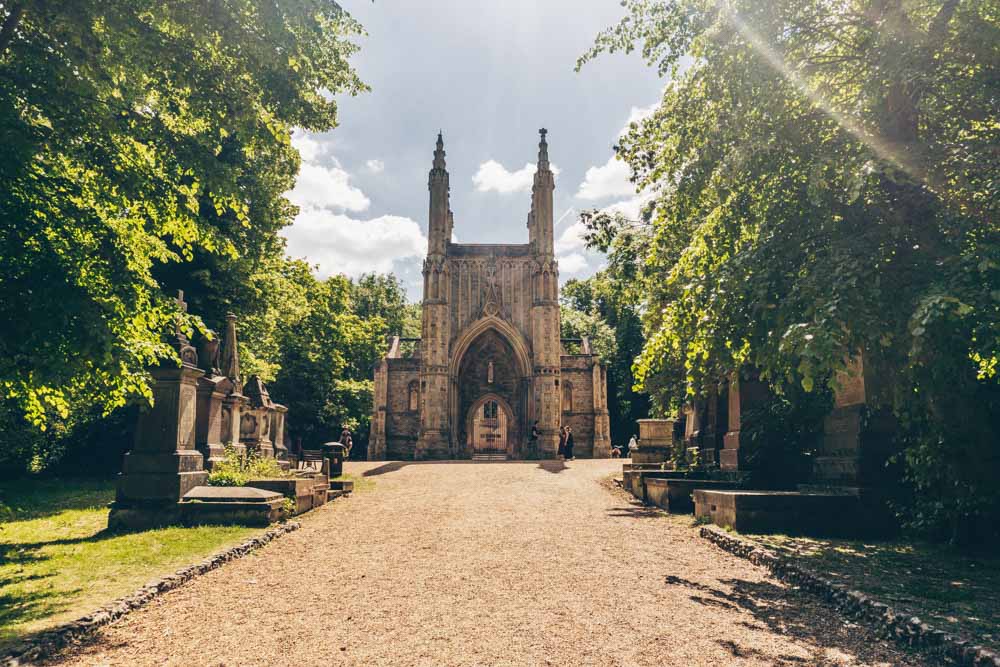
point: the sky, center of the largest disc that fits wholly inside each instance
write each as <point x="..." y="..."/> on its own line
<point x="488" y="75"/>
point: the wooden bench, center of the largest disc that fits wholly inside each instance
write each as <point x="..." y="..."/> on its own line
<point x="310" y="457"/>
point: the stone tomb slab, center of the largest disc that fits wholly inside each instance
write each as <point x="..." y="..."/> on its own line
<point x="307" y="492"/>
<point x="675" y="495"/>
<point x="790" y="512"/>
<point x="635" y="480"/>
<point x="231" y="505"/>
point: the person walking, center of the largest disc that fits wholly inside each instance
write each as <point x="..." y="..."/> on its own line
<point x="568" y="447"/>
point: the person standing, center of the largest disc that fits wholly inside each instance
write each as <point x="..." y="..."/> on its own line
<point x="562" y="441"/>
<point x="568" y="447"/>
<point x="533" y="440"/>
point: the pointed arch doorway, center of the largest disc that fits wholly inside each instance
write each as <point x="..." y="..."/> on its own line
<point x="488" y="425"/>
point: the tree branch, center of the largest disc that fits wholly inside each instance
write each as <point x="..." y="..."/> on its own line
<point x="9" y="26"/>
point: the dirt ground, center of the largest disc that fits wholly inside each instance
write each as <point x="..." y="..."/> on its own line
<point x="458" y="563"/>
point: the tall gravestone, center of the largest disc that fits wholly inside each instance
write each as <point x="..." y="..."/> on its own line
<point x="745" y="393"/>
<point x="213" y="387"/>
<point x="234" y="401"/>
<point x="163" y="464"/>
<point x="279" y="436"/>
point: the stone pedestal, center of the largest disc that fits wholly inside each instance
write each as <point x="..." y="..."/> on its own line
<point x="278" y="433"/>
<point x="212" y="391"/>
<point x="656" y="441"/>
<point x="255" y="420"/>
<point x="231" y="411"/>
<point x="693" y="414"/>
<point x="163" y="464"/>
<point x="855" y="439"/>
<point x="715" y="427"/>
<point x="744" y="394"/>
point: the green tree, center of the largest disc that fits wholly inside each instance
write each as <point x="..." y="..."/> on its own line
<point x="139" y="136"/>
<point x="325" y="375"/>
<point x="609" y="300"/>
<point x="825" y="183"/>
<point x="381" y="294"/>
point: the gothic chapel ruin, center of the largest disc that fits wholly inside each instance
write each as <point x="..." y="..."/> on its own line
<point x="490" y="361"/>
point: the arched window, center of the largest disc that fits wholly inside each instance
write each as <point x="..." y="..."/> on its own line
<point x="567" y="402"/>
<point x="414" y="396"/>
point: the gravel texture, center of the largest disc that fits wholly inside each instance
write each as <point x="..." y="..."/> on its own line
<point x="488" y="564"/>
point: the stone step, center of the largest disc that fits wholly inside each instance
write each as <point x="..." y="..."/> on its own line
<point x="489" y="457"/>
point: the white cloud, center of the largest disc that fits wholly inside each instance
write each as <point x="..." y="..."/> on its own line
<point x="493" y="176"/>
<point x="612" y="178"/>
<point x="573" y="263"/>
<point x="608" y="180"/>
<point x="375" y="166"/>
<point x="309" y="149"/>
<point x="637" y="114"/>
<point x="629" y="207"/>
<point x="341" y="244"/>
<point x="571" y="239"/>
<point x="327" y="188"/>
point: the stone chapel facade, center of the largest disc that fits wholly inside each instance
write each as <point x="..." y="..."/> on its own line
<point x="490" y="361"/>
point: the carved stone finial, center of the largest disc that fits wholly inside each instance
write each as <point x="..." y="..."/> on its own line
<point x="439" y="153"/>
<point x="543" y="150"/>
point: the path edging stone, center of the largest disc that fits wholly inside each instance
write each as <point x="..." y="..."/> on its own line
<point x="47" y="643"/>
<point x="887" y="622"/>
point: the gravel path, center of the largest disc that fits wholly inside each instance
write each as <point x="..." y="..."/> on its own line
<point x="488" y="564"/>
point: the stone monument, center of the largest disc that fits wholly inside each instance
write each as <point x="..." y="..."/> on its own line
<point x="234" y="401"/>
<point x="745" y="393"/>
<point x="213" y="387"/>
<point x="163" y="464"/>
<point x="255" y="420"/>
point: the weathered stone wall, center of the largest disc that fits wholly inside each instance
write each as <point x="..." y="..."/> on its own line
<point x="577" y="372"/>
<point x="402" y="425"/>
<point x="467" y="268"/>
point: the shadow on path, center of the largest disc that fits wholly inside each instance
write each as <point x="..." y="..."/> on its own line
<point x="790" y="613"/>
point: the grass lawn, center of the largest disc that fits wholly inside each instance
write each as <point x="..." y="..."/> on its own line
<point x="361" y="483"/>
<point x="951" y="590"/>
<point x="58" y="561"/>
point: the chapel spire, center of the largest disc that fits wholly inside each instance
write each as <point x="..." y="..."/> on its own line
<point x="438" y="227"/>
<point x="540" y="219"/>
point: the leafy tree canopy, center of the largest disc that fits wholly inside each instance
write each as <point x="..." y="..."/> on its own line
<point x="137" y="136"/>
<point x="824" y="182"/>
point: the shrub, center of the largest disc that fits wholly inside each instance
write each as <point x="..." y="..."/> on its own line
<point x="237" y="469"/>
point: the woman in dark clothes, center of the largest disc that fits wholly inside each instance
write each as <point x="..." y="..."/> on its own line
<point x="568" y="447"/>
